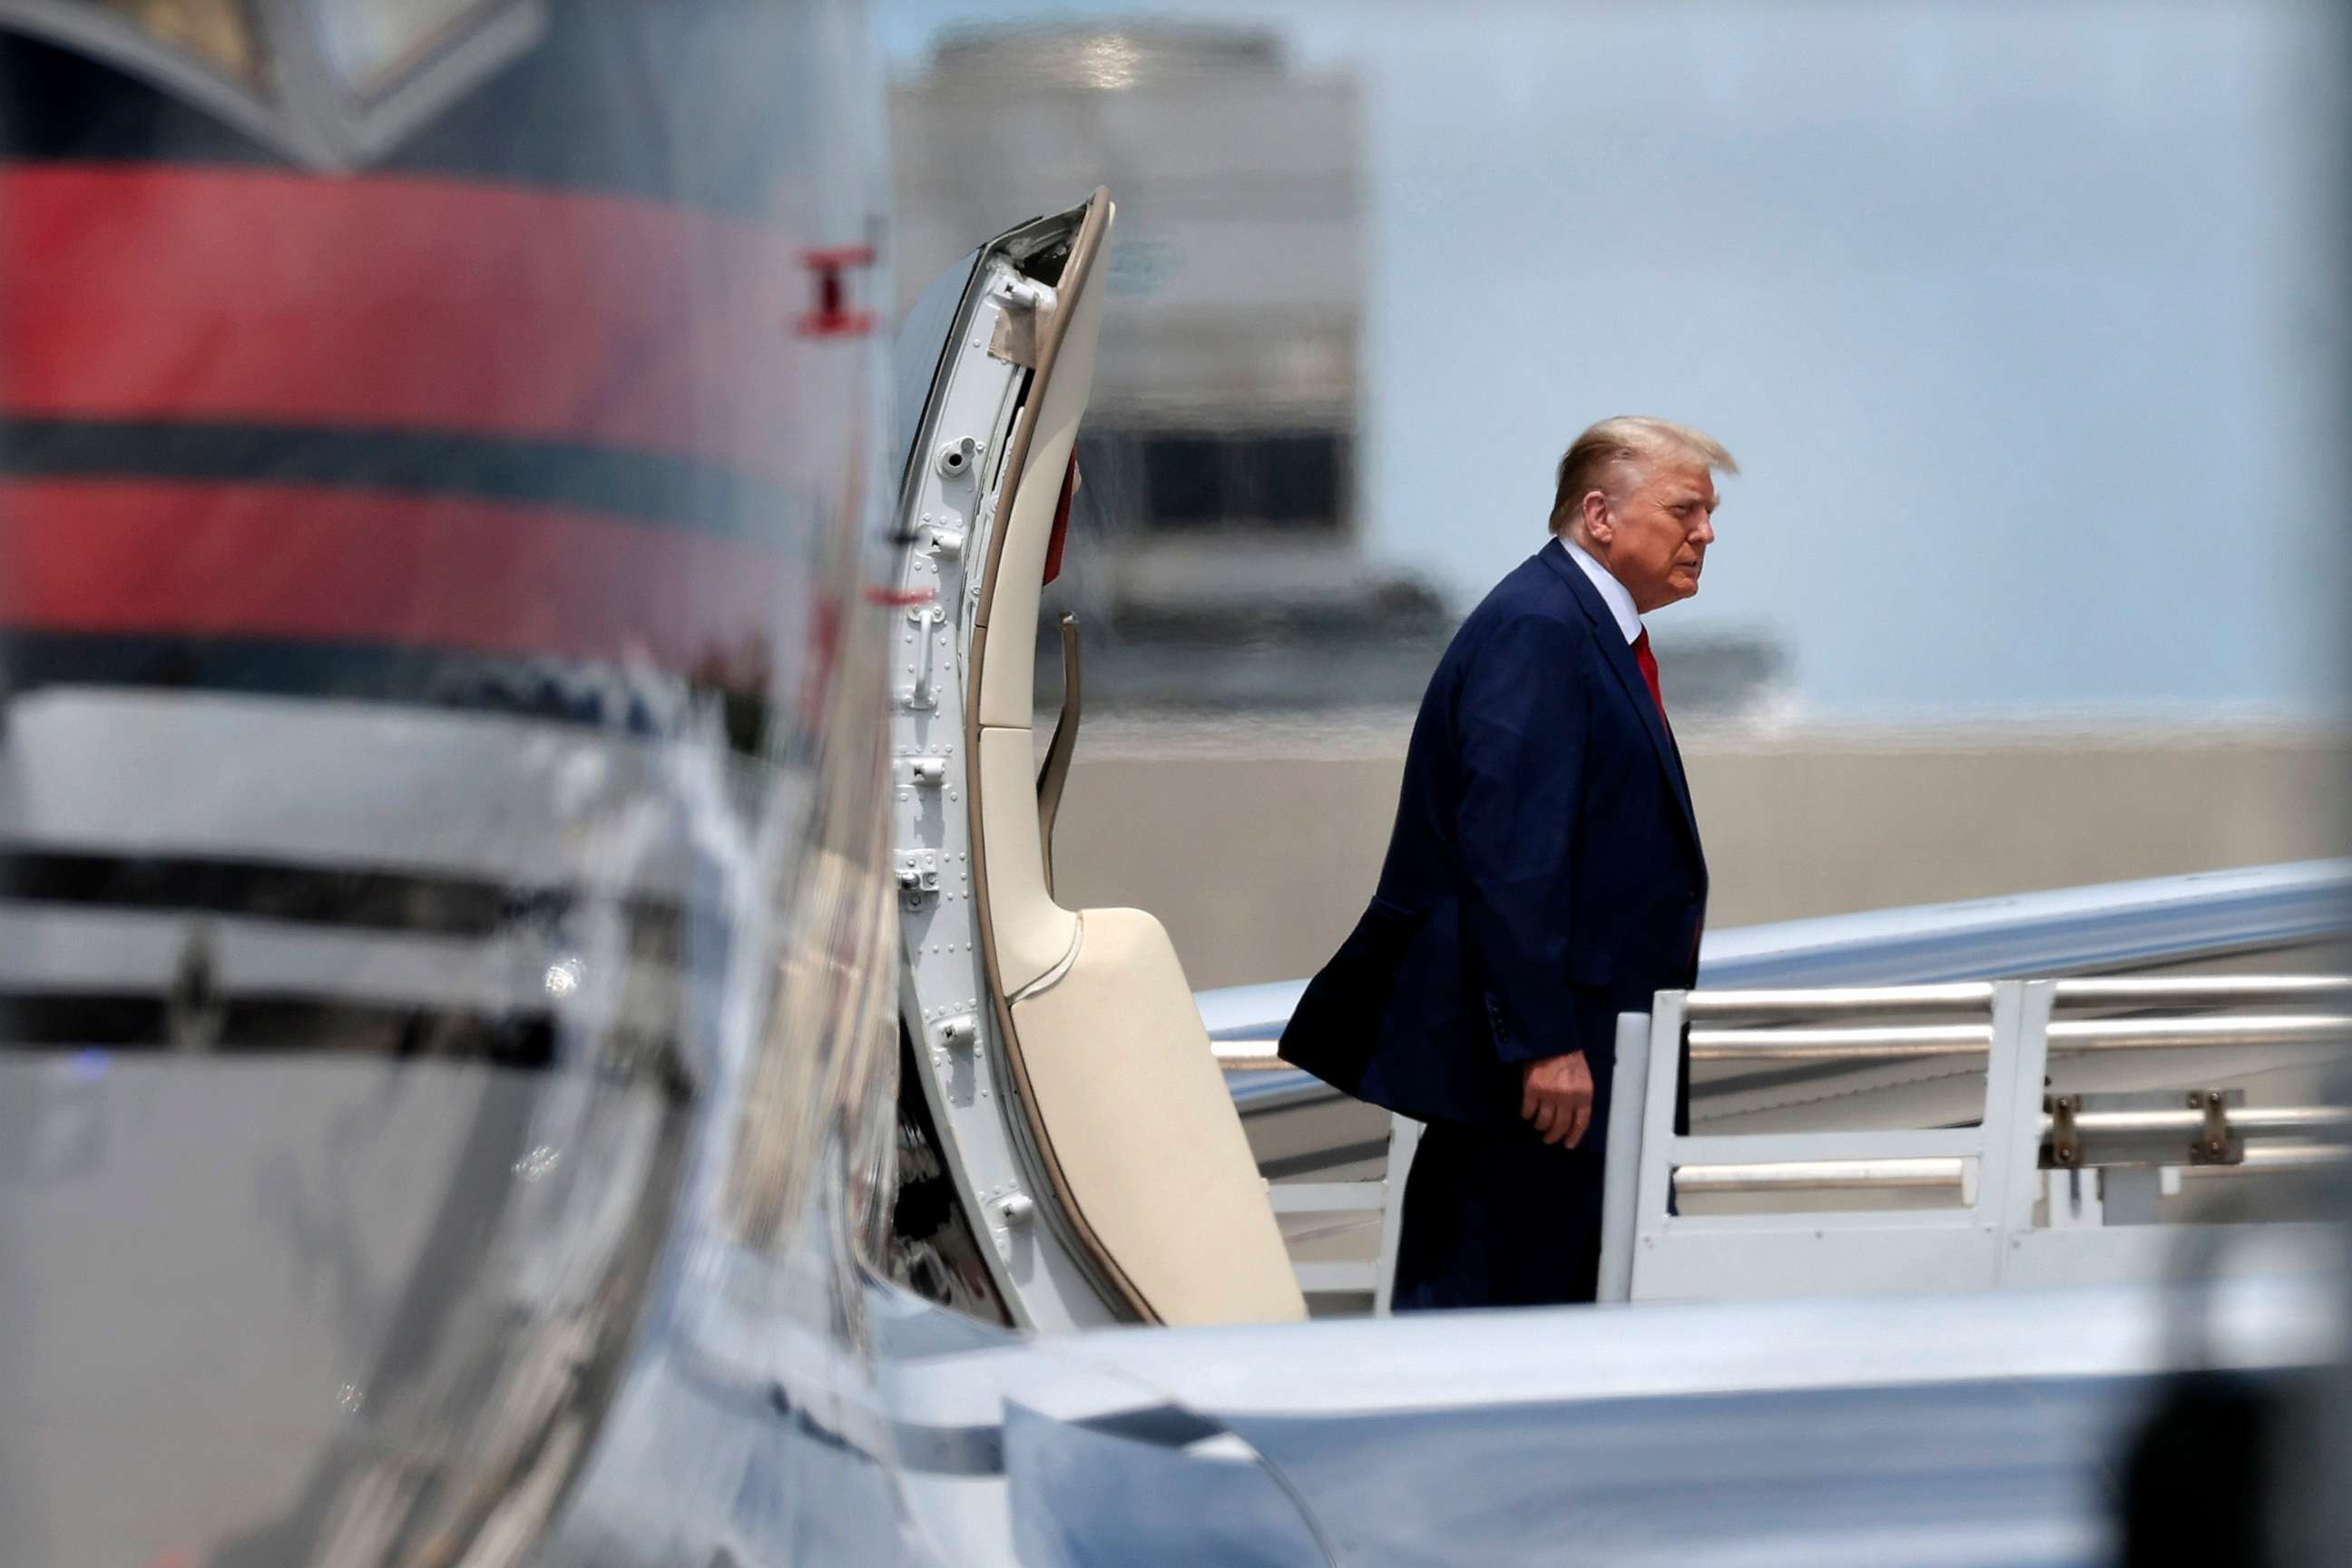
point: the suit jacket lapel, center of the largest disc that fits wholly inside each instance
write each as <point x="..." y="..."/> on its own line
<point x="1618" y="654"/>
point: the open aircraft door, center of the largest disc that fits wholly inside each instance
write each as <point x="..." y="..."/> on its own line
<point x="1071" y="1091"/>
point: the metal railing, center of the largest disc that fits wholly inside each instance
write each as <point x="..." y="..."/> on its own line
<point x="2137" y="1138"/>
<point x="1897" y="1041"/>
<point x="2122" y="991"/>
<point x="1759" y="1039"/>
<point x="1833" y="1042"/>
<point x="1890" y="1175"/>
<point x="2119" y="1149"/>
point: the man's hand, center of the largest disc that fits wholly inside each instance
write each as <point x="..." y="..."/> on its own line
<point x="1556" y="1094"/>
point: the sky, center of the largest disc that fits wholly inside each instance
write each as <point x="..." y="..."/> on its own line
<point x="2025" y="322"/>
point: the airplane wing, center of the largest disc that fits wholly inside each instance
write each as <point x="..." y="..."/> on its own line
<point x="2072" y="931"/>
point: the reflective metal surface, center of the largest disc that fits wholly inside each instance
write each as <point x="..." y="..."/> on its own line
<point x="1903" y="1431"/>
<point x="446" y="990"/>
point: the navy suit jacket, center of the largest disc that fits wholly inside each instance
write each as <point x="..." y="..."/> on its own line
<point x="1544" y="874"/>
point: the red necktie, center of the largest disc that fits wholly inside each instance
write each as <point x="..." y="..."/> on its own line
<point x="1643" y="657"/>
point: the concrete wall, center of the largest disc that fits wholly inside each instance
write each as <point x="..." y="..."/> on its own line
<point x="1258" y="848"/>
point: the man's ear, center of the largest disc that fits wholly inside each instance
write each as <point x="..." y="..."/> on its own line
<point x="1595" y="510"/>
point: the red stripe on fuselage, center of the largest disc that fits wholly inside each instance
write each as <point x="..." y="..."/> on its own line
<point x="164" y="291"/>
<point x="414" y="570"/>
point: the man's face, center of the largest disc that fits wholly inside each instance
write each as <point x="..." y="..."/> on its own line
<point x="1653" y="529"/>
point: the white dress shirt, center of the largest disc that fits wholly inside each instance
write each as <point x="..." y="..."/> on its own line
<point x="1612" y="592"/>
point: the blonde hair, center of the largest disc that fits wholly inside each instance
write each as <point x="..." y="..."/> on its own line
<point x="1628" y="437"/>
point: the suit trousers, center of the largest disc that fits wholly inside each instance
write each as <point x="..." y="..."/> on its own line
<point x="1494" y="1218"/>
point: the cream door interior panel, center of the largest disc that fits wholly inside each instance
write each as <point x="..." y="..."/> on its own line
<point x="1070" y="1082"/>
<point x="1124" y="1094"/>
<point x="1145" y="1133"/>
<point x="1007" y="685"/>
<point x="1033" y="934"/>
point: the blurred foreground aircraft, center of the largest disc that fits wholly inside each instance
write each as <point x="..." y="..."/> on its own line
<point x="534" y="1024"/>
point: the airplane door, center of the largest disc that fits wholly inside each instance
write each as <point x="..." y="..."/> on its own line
<point x="1066" y="1067"/>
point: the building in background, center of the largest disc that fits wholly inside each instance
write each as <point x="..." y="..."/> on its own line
<point x="1222" y="550"/>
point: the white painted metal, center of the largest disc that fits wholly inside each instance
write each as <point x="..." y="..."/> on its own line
<point x="1877" y="1175"/>
<point x="1675" y="1256"/>
<point x="1822" y="1000"/>
<point x="1839" y="1043"/>
<point x="2254" y="1122"/>
<point x="2237" y="1030"/>
<point x="1326" y="1197"/>
<point x="1339" y="1278"/>
<point x="1404" y="1137"/>
<point x="2170" y="991"/>
<point x="2262" y="1158"/>
<point x="1382" y="1194"/>
<point x="2091" y="1232"/>
<point x="1883" y="1163"/>
<point x="947" y="522"/>
<point x="1901" y="1040"/>
<point x="1621" y="1172"/>
<point x="1822" y="1175"/>
<point x="2199" y="990"/>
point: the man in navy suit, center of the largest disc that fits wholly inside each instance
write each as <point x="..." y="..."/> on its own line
<point x="1544" y="876"/>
